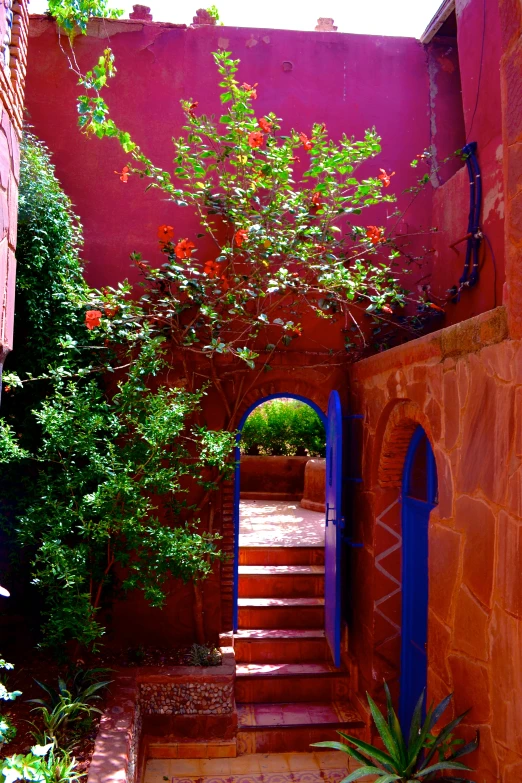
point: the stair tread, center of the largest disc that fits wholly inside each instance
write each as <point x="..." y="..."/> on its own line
<point x="281" y="633"/>
<point x="280" y="570"/>
<point x="286" y="669"/>
<point x="267" y="602"/>
<point x="254" y="716"/>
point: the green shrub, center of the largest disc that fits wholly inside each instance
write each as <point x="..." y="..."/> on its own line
<point x="283" y="427"/>
<point x="98" y="455"/>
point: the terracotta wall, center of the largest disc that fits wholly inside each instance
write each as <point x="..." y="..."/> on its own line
<point x="274" y="477"/>
<point x="13" y="52"/>
<point x="464" y="386"/>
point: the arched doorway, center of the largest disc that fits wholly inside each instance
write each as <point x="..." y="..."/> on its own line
<point x="419" y="496"/>
<point x="237" y="478"/>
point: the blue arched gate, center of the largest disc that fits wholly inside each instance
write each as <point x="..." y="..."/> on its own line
<point x="419" y="496"/>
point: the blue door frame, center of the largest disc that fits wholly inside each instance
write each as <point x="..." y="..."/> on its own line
<point x="414" y="633"/>
<point x="237" y="477"/>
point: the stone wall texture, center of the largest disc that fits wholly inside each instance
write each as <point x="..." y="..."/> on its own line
<point x="13" y="54"/>
<point x="463" y="385"/>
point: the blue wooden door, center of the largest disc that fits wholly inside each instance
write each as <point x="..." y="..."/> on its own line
<point x="334" y="523"/>
<point x="419" y="492"/>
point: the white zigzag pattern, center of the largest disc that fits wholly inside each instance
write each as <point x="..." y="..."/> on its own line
<point x="386" y="573"/>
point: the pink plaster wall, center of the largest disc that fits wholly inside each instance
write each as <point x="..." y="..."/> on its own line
<point x="462" y="63"/>
<point x="350" y="82"/>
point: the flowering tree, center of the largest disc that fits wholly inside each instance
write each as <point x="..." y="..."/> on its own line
<point x="281" y="236"/>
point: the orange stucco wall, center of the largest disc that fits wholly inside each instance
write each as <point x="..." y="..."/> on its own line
<point x="464" y="386"/>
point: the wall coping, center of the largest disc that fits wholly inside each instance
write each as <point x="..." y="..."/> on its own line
<point x="454" y="341"/>
<point x="116" y="750"/>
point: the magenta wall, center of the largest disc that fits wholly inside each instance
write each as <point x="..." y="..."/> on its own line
<point x="476" y="116"/>
<point x="350" y="82"/>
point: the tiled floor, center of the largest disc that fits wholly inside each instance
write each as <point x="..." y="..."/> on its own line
<point x="327" y="767"/>
<point x="296" y="714"/>
<point x="271" y="523"/>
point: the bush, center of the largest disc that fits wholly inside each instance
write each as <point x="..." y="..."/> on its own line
<point x="284" y="427"/>
<point x="98" y="456"/>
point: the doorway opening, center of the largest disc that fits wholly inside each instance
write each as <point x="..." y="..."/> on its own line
<point x="279" y="484"/>
<point x="419" y="497"/>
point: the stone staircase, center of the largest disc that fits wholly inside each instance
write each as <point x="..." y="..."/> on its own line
<point x="288" y="693"/>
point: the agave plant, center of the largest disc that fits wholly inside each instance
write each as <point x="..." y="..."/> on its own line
<point x="427" y="756"/>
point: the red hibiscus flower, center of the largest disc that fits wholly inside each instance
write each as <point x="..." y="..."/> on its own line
<point x="224" y="283"/>
<point x="92" y="318"/>
<point x="316" y="199"/>
<point x="265" y="125"/>
<point x="191" y="108"/>
<point x="256" y="139"/>
<point x="251" y="88"/>
<point x="111" y="311"/>
<point x="240" y="236"/>
<point x="165" y="234"/>
<point x="184" y="248"/>
<point x="374" y="234"/>
<point x="305" y="141"/>
<point x="123" y="174"/>
<point x="385" y="178"/>
<point x="212" y="268"/>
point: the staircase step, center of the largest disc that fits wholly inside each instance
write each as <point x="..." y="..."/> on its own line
<point x="281" y="555"/>
<point x="281" y="613"/>
<point x="283" y="682"/>
<point x="288" y="646"/>
<point x="292" y="727"/>
<point x="276" y="580"/>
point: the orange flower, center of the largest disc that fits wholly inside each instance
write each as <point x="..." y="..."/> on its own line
<point x="251" y="88"/>
<point x="385" y="178"/>
<point x="224" y="283"/>
<point x="305" y="141"/>
<point x="212" y="268"/>
<point x="165" y="234"/>
<point x="184" y="248"/>
<point x="435" y="307"/>
<point x="7" y="389"/>
<point x="240" y="236"/>
<point x="316" y="199"/>
<point x="111" y="311"/>
<point x="265" y="125"/>
<point x="256" y="139"/>
<point x="374" y="234"/>
<point x="387" y="309"/>
<point x="124" y="173"/>
<point x="143" y="265"/>
<point x="191" y="108"/>
<point x="92" y="318"/>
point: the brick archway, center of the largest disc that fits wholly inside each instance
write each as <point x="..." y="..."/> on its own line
<point x="393" y="435"/>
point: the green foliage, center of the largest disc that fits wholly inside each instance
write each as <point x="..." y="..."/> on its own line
<point x="204" y="655"/>
<point x="66" y="711"/>
<point x="283" y="238"/>
<point x="98" y="473"/>
<point x="73" y="15"/>
<point x="6" y="695"/>
<point x="283" y="427"/>
<point x="44" y="764"/>
<point x="7" y="730"/>
<point x="424" y="756"/>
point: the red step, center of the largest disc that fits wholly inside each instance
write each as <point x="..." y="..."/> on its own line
<point x="280" y="728"/>
<point x="285" y="682"/>
<point x="281" y="612"/>
<point x="276" y="580"/>
<point x="289" y="646"/>
<point x="281" y="555"/>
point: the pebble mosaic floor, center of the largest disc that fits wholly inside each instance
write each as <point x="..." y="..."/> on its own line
<point x="272" y="523"/>
<point x="327" y="767"/>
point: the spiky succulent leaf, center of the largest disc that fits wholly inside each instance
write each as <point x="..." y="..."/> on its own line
<point x="385" y="732"/>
